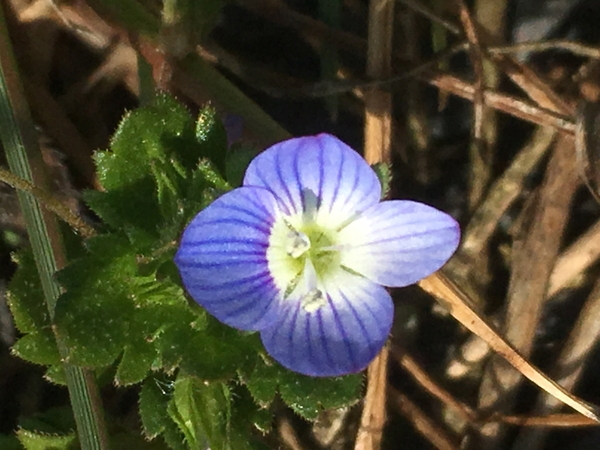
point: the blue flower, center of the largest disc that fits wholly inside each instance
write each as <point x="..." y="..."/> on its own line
<point x="301" y="253"/>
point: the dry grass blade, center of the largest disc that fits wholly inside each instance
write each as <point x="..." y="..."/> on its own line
<point x="528" y="80"/>
<point x="378" y="142"/>
<point x="378" y="104"/>
<point x="535" y="88"/>
<point x="575" y="260"/>
<point x="408" y="363"/>
<point x="480" y="147"/>
<point x="505" y="190"/>
<point x="457" y="303"/>
<point x="505" y="103"/>
<point x="288" y="435"/>
<point x="49" y="201"/>
<point x="373" y="415"/>
<point x="551" y="420"/>
<point x="569" y="366"/>
<point x="536" y="246"/>
<point x="477" y="56"/>
<point x="437" y="436"/>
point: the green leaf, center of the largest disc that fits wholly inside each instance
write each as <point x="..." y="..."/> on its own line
<point x="205" y="186"/>
<point x="264" y="383"/>
<point x="307" y="396"/>
<point x="158" y="306"/>
<point x="238" y="160"/>
<point x="26" y="301"/>
<point x="212" y="137"/>
<point x="384" y="173"/>
<point x="247" y="415"/>
<point x="94" y="326"/>
<point x="145" y="172"/>
<point x="154" y="398"/>
<point x="32" y="440"/>
<point x="174" y="438"/>
<point x="136" y="362"/>
<point x="38" y="348"/>
<point x="56" y="375"/>
<point x="50" y="430"/>
<point x="208" y="349"/>
<point x="109" y="257"/>
<point x="161" y="131"/>
<point x="111" y="309"/>
<point x="202" y="412"/>
<point x="25" y="296"/>
<point x="157" y="173"/>
<point x="92" y="316"/>
<point x="133" y="208"/>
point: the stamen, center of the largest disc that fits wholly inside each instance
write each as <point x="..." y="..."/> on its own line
<point x="334" y="248"/>
<point x="313" y="300"/>
<point x="297" y="244"/>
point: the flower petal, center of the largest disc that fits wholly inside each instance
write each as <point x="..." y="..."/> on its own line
<point x="319" y="170"/>
<point x="342" y="336"/>
<point x="397" y="243"/>
<point x="222" y="259"/>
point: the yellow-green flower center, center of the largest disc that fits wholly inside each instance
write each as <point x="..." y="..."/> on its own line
<point x="315" y="243"/>
<point x="292" y="245"/>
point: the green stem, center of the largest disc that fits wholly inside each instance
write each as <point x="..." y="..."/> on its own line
<point x="19" y="139"/>
<point x="49" y="202"/>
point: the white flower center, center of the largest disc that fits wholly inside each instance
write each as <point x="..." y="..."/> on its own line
<point x="301" y="254"/>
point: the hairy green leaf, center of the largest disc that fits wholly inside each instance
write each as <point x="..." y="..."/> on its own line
<point x="205" y="186"/>
<point x="246" y="414"/>
<point x="56" y="375"/>
<point x="26" y="301"/>
<point x="162" y="131"/>
<point x="32" y="440"/>
<point x="384" y="174"/>
<point x="132" y="208"/>
<point x="208" y="349"/>
<point x="93" y="315"/>
<point x="38" y="348"/>
<point x="156" y="173"/>
<point x="158" y="306"/>
<point x="202" y="412"/>
<point x="50" y="430"/>
<point x="307" y="396"/>
<point x="154" y="398"/>
<point x="212" y="137"/>
<point x="25" y="296"/>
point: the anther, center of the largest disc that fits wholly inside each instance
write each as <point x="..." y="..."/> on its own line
<point x="313" y="300"/>
<point x="297" y="244"/>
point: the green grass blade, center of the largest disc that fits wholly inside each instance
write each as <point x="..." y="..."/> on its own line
<point x="19" y="139"/>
